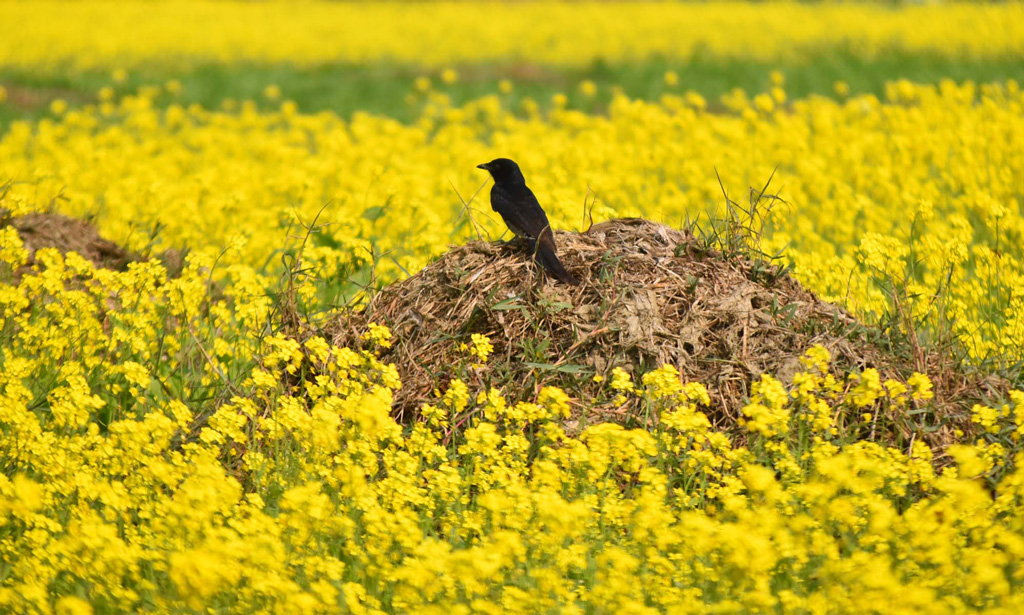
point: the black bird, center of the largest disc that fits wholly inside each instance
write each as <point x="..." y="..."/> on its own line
<point x="521" y="212"/>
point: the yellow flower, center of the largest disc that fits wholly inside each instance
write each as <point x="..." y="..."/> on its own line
<point x="456" y="398"/>
<point x="897" y="391"/>
<point x="200" y="574"/>
<point x="695" y="100"/>
<point x="868" y="388"/>
<point x="768" y="412"/>
<point x="987" y="417"/>
<point x="481" y="347"/>
<point x="621" y="382"/>
<point x="59" y="106"/>
<point x="758" y="479"/>
<point x="378" y="334"/>
<point x="764" y="103"/>
<point x="920" y="386"/>
<point x="72" y="605"/>
<point x="663" y="382"/>
<point x="817" y="357"/>
<point x="556" y="402"/>
<point x="26" y="494"/>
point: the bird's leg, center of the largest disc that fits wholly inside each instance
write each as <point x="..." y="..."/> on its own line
<point x="531" y="247"/>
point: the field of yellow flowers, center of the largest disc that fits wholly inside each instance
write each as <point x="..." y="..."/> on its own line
<point x="96" y="34"/>
<point x="167" y="447"/>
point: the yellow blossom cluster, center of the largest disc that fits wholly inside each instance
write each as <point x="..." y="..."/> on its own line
<point x="55" y="36"/>
<point x="164" y="450"/>
<point x="480" y="347"/>
<point x="909" y="204"/>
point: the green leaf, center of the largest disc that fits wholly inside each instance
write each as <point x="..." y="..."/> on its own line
<point x="508" y="304"/>
<point x="564" y="369"/>
<point x="373" y="213"/>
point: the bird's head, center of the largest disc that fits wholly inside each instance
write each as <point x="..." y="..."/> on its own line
<point x="503" y="170"/>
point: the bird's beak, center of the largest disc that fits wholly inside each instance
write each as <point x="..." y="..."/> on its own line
<point x="483" y="166"/>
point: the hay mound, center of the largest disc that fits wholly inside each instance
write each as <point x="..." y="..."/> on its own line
<point x="51" y="230"/>
<point x="650" y="295"/>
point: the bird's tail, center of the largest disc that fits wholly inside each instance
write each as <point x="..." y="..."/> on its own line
<point x="544" y="252"/>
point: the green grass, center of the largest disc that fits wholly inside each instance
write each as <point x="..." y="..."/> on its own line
<point x="382" y="88"/>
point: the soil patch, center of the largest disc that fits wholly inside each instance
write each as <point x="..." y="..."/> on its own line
<point x="30" y="98"/>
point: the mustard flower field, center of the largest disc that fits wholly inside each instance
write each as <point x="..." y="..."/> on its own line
<point x="170" y="444"/>
<point x="445" y="33"/>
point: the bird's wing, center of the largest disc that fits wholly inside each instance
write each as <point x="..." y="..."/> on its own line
<point x="520" y="210"/>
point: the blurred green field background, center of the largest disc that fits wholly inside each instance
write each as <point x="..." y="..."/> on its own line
<point x="382" y="88"/>
<point x="366" y="56"/>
